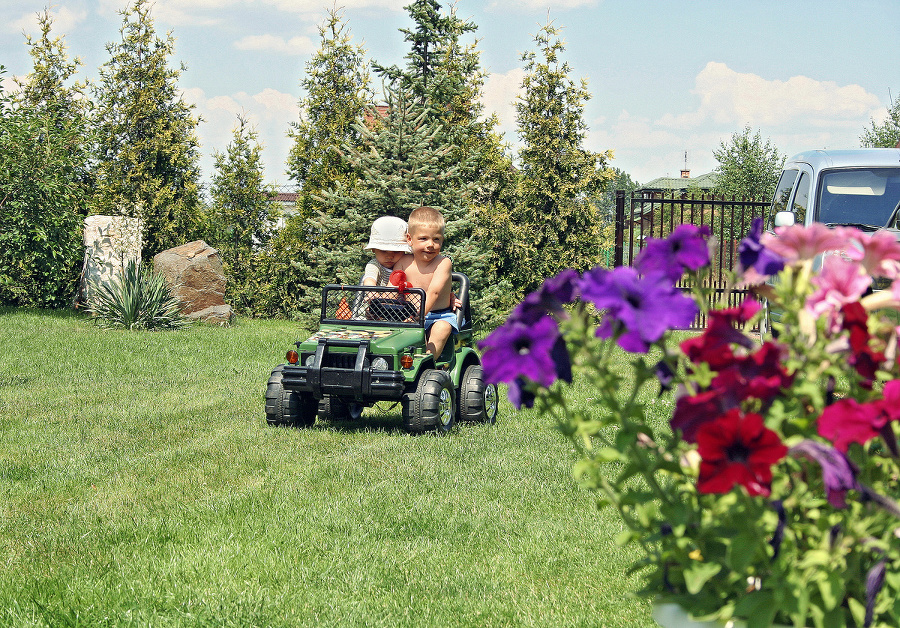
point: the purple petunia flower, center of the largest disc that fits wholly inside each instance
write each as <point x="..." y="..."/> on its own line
<point x="549" y="298"/>
<point x="516" y="349"/>
<point x="838" y="472"/>
<point x="641" y="309"/>
<point x="685" y="248"/>
<point x="752" y="254"/>
<point x="519" y="394"/>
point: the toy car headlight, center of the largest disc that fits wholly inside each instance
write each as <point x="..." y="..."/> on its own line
<point x="310" y="360"/>
<point x="380" y="364"/>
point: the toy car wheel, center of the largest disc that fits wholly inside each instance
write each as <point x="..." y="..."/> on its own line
<point x="477" y="400"/>
<point x="431" y="404"/>
<point x="334" y="409"/>
<point x="285" y="407"/>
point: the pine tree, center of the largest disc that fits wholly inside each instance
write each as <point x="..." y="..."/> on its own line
<point x="240" y="208"/>
<point x="147" y="144"/>
<point x="337" y="93"/>
<point x="445" y="78"/>
<point x="555" y="220"/>
<point x="44" y="157"/>
<point x="399" y="170"/>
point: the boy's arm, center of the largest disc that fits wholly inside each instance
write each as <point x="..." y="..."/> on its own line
<point x="439" y="287"/>
<point x="370" y="275"/>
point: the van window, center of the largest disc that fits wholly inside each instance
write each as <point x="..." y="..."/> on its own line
<point x="801" y="199"/>
<point x="782" y="194"/>
<point x="859" y="196"/>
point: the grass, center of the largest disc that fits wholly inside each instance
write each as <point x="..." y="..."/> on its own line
<point x="141" y="486"/>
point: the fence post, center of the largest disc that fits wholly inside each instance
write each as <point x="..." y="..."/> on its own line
<point x="620" y="228"/>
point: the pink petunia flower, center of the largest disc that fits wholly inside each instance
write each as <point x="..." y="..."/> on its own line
<point x="847" y="421"/>
<point x="879" y="254"/>
<point x="797" y="243"/>
<point x="839" y="283"/>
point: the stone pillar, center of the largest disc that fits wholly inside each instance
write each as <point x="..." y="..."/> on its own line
<point x="110" y="242"/>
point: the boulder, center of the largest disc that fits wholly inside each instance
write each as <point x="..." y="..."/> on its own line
<point x="195" y="275"/>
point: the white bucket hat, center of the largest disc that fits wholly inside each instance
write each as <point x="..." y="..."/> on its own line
<point x="389" y="234"/>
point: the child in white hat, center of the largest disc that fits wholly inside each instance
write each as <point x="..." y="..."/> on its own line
<point x="387" y="240"/>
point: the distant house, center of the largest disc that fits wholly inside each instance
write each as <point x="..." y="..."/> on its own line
<point x="705" y="183"/>
<point x="285" y="200"/>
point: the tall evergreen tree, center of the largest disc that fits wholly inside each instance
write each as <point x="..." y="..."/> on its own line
<point x="885" y="134"/>
<point x="445" y="78"/>
<point x="44" y="157"/>
<point x="147" y="144"/>
<point x="337" y="92"/>
<point x="555" y="220"/>
<point x="241" y="203"/>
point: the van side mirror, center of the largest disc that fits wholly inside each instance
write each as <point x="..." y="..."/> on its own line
<point x="784" y="219"/>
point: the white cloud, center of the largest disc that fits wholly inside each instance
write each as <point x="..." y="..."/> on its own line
<point x="269" y="112"/>
<point x="736" y="99"/>
<point x="499" y="96"/>
<point x="298" y="45"/>
<point x="538" y="5"/>
<point x="64" y="21"/>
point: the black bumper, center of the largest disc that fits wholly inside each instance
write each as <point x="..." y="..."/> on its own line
<point x="362" y="382"/>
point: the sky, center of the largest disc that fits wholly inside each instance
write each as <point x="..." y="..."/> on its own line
<point x="669" y="80"/>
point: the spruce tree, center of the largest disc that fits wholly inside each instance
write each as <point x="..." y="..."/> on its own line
<point x="555" y="220"/>
<point x="399" y="170"/>
<point x="337" y="93"/>
<point x="884" y="134"/>
<point x="241" y="203"/>
<point x="44" y="157"/>
<point x="147" y="144"/>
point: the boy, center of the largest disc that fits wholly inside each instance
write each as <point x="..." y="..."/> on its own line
<point x="426" y="268"/>
<point x="387" y="240"/>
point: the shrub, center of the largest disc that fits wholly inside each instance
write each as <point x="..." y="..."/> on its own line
<point x="136" y="300"/>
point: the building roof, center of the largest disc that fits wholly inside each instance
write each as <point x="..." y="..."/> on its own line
<point x="672" y="184"/>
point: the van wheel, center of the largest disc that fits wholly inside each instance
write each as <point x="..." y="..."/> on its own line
<point x="431" y="404"/>
<point x="285" y="407"/>
<point x="477" y="400"/>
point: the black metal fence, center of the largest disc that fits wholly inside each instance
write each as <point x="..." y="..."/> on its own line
<point x="640" y="216"/>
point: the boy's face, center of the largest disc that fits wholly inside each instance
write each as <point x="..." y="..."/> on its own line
<point x="426" y="243"/>
<point x="387" y="258"/>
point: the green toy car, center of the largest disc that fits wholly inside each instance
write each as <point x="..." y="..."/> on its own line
<point x="370" y="347"/>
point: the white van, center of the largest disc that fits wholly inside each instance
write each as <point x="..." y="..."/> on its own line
<point x="859" y="188"/>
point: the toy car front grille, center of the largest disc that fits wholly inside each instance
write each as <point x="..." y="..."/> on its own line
<point x="334" y="360"/>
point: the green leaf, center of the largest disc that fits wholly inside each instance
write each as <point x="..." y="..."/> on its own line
<point x="698" y="574"/>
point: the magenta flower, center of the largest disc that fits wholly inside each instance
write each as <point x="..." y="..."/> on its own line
<point x="713" y="346"/>
<point x="737" y="449"/>
<point x="798" y="243"/>
<point x="838" y="283"/>
<point x="684" y="248"/>
<point x="639" y="310"/>
<point x="847" y="421"/>
<point x="693" y="411"/>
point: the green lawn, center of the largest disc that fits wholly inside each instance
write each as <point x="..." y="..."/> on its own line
<point x="141" y="486"/>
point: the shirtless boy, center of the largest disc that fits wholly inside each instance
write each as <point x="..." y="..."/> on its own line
<point x="426" y="268"/>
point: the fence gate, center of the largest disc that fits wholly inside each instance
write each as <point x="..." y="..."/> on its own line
<point x="639" y="217"/>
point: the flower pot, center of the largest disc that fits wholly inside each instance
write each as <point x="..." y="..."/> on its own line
<point x="671" y="615"/>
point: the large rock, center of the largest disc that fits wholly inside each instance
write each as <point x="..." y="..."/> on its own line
<point x="195" y="275"/>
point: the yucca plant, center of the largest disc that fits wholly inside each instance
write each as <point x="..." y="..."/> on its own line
<point x="136" y="300"/>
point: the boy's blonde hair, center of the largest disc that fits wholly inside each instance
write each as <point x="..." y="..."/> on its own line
<point x="425" y="217"/>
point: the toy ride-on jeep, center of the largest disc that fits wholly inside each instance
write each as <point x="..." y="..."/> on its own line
<point x="370" y="347"/>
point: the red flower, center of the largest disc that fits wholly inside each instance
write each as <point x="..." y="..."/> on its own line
<point x="692" y="411"/>
<point x="759" y="375"/>
<point x="713" y="346"/>
<point x="864" y="359"/>
<point x="737" y="448"/>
